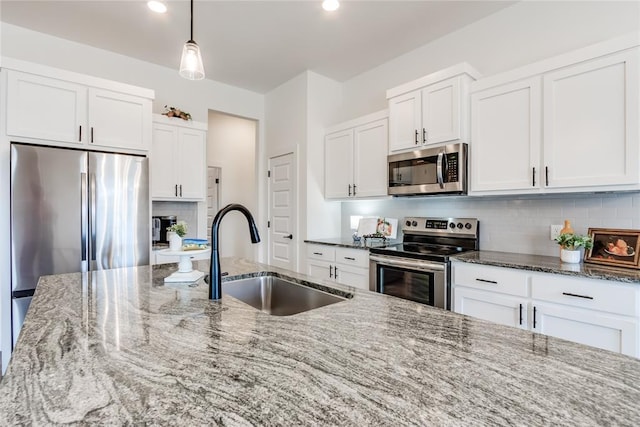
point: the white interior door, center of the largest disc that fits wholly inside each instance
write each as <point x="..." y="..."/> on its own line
<point x="282" y="219"/>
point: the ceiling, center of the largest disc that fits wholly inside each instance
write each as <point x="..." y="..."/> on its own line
<point x="256" y="45"/>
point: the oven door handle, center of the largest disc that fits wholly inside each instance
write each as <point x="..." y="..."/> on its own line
<point x="413" y="264"/>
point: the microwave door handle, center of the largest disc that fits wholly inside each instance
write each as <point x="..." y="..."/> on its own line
<point x="439" y="169"/>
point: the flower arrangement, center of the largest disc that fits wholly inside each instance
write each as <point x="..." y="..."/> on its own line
<point x="572" y="242"/>
<point x="180" y="228"/>
<point x="174" y="112"/>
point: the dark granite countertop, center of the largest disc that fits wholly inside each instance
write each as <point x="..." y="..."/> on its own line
<point x="548" y="264"/>
<point x="350" y="243"/>
<point x="119" y="347"/>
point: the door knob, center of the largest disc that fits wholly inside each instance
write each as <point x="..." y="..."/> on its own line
<point x="290" y="236"/>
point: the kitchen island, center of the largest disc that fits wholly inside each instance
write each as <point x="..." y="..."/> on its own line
<point x="122" y="347"/>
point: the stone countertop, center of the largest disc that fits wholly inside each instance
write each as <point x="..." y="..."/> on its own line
<point x="548" y="264"/>
<point x="350" y="243"/>
<point x="121" y="347"/>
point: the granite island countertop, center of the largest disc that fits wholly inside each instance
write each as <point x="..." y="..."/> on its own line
<point x="548" y="264"/>
<point x="121" y="347"/>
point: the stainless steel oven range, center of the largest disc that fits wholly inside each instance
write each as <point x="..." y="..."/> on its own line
<point x="419" y="268"/>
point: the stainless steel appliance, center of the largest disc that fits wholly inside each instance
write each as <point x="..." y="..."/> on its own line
<point x="165" y="222"/>
<point x="419" y="268"/>
<point x="71" y="211"/>
<point x="431" y="171"/>
<point x="155" y="229"/>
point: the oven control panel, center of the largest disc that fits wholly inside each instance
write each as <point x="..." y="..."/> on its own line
<point x="441" y="226"/>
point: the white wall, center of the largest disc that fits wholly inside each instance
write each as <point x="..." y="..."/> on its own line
<point x="526" y="32"/>
<point x="231" y="146"/>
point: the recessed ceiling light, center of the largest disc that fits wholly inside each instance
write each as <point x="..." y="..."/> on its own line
<point x="330" y="5"/>
<point x="157" y="6"/>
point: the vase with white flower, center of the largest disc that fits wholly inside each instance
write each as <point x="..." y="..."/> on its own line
<point x="175" y="233"/>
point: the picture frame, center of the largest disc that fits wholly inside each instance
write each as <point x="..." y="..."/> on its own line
<point x="614" y="247"/>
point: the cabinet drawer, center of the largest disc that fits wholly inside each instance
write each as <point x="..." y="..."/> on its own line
<point x="355" y="257"/>
<point x="602" y="295"/>
<point x="321" y="252"/>
<point x="495" y="279"/>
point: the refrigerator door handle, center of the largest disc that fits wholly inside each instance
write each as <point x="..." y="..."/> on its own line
<point x="84" y="213"/>
<point x="92" y="212"/>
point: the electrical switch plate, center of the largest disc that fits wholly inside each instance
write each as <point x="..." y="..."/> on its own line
<point x="554" y="231"/>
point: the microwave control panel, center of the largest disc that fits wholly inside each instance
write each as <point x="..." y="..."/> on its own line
<point x="452" y="168"/>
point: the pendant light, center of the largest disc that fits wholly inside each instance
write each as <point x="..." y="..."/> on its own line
<point x="191" y="62"/>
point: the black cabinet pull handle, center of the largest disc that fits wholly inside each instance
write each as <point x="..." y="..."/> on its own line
<point x="335" y="272"/>
<point x="534" y="317"/>
<point x="487" y="281"/>
<point x="176" y="190"/>
<point x="80" y="134"/>
<point x="546" y="175"/>
<point x="576" y="295"/>
<point x="180" y="190"/>
<point x="520" y="314"/>
<point x="534" y="176"/>
<point x="331" y="271"/>
<point x="424" y="136"/>
<point x="92" y="134"/>
<point x="416" y="136"/>
<point x="354" y="190"/>
<point x="349" y="258"/>
<point x="349" y="190"/>
<point x="317" y="253"/>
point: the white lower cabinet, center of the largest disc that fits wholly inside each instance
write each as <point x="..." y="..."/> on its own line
<point x="598" y="313"/>
<point x="340" y="265"/>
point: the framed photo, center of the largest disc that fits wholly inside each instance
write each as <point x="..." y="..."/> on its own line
<point x="615" y="248"/>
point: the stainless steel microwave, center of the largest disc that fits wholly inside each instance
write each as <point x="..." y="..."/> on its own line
<point x="430" y="171"/>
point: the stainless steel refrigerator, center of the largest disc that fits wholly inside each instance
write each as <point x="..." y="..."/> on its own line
<point x="72" y="211"/>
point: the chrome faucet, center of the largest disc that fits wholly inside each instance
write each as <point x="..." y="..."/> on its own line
<point x="215" y="276"/>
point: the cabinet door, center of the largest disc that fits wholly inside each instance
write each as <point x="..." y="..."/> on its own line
<point x="320" y="270"/>
<point x="441" y="115"/>
<point x="405" y="121"/>
<point x="506" y="126"/>
<point x="351" y="276"/>
<point x="591" y="123"/>
<point x="338" y="167"/>
<point x="497" y="308"/>
<point x="597" y="329"/>
<point x="192" y="155"/>
<point x="117" y="120"/>
<point x="43" y="108"/>
<point x="370" y="165"/>
<point x="164" y="173"/>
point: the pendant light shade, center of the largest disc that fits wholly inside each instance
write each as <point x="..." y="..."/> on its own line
<point x="191" y="62"/>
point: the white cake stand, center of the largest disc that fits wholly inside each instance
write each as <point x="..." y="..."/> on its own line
<point x="185" y="272"/>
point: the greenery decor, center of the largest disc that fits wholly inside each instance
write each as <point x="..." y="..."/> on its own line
<point x="174" y="112"/>
<point x="572" y="242"/>
<point x="180" y="228"/>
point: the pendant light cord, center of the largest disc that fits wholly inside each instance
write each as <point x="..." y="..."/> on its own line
<point x="191" y="39"/>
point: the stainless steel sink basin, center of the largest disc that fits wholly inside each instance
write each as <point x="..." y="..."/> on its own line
<point x="278" y="296"/>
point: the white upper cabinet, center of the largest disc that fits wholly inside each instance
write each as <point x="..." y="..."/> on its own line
<point x="43" y="108"/>
<point x="567" y="124"/>
<point x="431" y="110"/>
<point x="178" y="160"/>
<point x="47" y="105"/>
<point x="356" y="158"/>
<point x="118" y="120"/>
<point x="591" y="123"/>
<point x="506" y="137"/>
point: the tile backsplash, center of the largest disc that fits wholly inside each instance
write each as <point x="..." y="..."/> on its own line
<point x="512" y="224"/>
<point x="184" y="211"/>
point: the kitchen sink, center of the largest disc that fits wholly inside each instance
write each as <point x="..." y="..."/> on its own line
<point x="278" y="296"/>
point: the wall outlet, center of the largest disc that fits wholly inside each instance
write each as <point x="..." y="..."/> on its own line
<point x="554" y="231"/>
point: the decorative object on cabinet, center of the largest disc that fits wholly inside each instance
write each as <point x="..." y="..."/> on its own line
<point x="354" y="223"/>
<point x="175" y="233"/>
<point x="570" y="245"/>
<point x="185" y="272"/>
<point x="431" y="110"/>
<point x="614" y="247"/>
<point x="175" y="112"/>
<point x="191" y="61"/>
